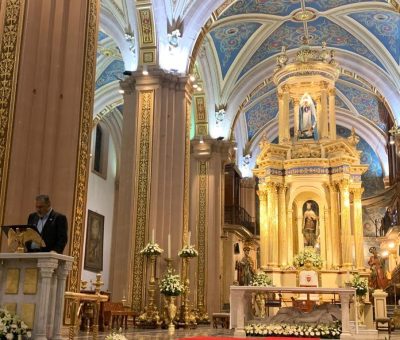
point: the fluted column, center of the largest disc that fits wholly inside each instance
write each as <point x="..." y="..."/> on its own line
<point x="281" y="122"/>
<point x="282" y="229"/>
<point x="273" y="222"/>
<point x="264" y="228"/>
<point x="296" y="103"/>
<point x="327" y="244"/>
<point x="324" y="113"/>
<point x="332" y="113"/>
<point x="289" y="235"/>
<point x="358" y="228"/>
<point x="285" y="116"/>
<point x="319" y="114"/>
<point x="345" y="224"/>
<point x="334" y="222"/>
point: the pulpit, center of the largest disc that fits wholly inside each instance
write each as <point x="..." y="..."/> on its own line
<point x="32" y="286"/>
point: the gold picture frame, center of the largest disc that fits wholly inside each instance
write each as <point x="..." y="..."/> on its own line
<point x="94" y="242"/>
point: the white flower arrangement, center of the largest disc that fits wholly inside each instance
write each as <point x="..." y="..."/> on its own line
<point x="261" y="279"/>
<point x="361" y="285"/>
<point x="171" y="284"/>
<point x="116" y="336"/>
<point x="327" y="331"/>
<point x="151" y="249"/>
<point x="11" y="326"/>
<point x="188" y="251"/>
<point x="308" y="255"/>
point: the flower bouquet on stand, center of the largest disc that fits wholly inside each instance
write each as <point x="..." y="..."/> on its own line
<point x="308" y="255"/>
<point x="12" y="327"/>
<point x="188" y="251"/>
<point x="116" y="336"/>
<point x="151" y="249"/>
<point x="171" y="287"/>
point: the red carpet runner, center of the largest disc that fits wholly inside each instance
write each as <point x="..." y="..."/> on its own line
<point x="230" y="338"/>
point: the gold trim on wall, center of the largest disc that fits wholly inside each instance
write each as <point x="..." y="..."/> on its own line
<point x="142" y="190"/>
<point x="83" y="152"/>
<point x="202" y="237"/>
<point x="12" y="12"/>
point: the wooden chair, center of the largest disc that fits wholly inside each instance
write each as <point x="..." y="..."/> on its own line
<point x="116" y="315"/>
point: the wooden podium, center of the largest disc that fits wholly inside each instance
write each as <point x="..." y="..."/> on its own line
<point x="32" y="285"/>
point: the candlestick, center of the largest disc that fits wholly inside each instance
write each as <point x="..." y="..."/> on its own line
<point x="152" y="236"/>
<point x="347" y="276"/>
<point x="169" y="246"/>
<point x="189" y="235"/>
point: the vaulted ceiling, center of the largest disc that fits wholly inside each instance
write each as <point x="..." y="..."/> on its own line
<point x="240" y="42"/>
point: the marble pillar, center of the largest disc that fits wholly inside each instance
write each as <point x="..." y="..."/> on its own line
<point x="264" y="228"/>
<point x="282" y="228"/>
<point x="334" y="223"/>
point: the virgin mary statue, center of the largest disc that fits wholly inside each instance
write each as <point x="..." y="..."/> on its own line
<point x="307" y="118"/>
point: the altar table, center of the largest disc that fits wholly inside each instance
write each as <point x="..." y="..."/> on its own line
<point x="240" y="304"/>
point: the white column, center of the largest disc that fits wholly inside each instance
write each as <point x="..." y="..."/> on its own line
<point x="332" y="114"/>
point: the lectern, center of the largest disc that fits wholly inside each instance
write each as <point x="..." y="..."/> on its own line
<point x="32" y="285"/>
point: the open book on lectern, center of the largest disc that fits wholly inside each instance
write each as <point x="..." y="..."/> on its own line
<point x="18" y="235"/>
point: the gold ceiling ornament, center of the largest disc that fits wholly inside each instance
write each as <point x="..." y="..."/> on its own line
<point x="304" y="15"/>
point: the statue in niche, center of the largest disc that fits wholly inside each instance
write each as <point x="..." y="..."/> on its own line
<point x="307" y="118"/>
<point x="310" y="223"/>
<point x="245" y="268"/>
<point x="378" y="279"/>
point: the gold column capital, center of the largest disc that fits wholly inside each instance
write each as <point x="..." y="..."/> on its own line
<point x="332" y="91"/>
<point x="357" y="192"/>
<point x="262" y="195"/>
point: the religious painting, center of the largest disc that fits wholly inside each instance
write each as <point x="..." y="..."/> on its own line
<point x="94" y="242"/>
<point x="310" y="223"/>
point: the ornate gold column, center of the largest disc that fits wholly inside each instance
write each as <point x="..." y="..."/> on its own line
<point x="282" y="229"/>
<point x="264" y="227"/>
<point x="281" y="122"/>
<point x="335" y="233"/>
<point x="328" y="232"/>
<point x="358" y="228"/>
<point x="273" y="224"/>
<point x="324" y="112"/>
<point x="319" y="116"/>
<point x="285" y="116"/>
<point x="296" y="103"/>
<point x="332" y="113"/>
<point x="289" y="235"/>
<point x="345" y="224"/>
<point x="11" y="27"/>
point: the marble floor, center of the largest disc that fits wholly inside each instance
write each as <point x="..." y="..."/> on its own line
<point x="154" y="334"/>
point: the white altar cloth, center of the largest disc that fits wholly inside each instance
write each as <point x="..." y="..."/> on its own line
<point x="240" y="300"/>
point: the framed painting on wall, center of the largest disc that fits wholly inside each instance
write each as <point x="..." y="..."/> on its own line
<point x="94" y="242"/>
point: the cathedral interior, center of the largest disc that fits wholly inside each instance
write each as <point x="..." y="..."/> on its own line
<point x="251" y="131"/>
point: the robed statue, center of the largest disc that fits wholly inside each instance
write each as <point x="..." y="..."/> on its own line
<point x="245" y="268"/>
<point x="307" y="118"/>
<point x="378" y="279"/>
<point x="310" y="224"/>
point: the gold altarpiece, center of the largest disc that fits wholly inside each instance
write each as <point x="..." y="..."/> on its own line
<point x="321" y="169"/>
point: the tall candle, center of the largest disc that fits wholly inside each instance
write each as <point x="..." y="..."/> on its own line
<point x="190" y="233"/>
<point x="169" y="246"/>
<point x="152" y="236"/>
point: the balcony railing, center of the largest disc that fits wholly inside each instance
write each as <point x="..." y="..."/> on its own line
<point x="239" y="216"/>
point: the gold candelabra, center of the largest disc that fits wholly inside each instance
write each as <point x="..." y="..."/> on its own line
<point x="187" y="318"/>
<point x="150" y="317"/>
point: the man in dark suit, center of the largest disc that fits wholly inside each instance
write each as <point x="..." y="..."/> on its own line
<point x="51" y="225"/>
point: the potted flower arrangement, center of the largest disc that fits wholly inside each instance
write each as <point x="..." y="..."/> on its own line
<point x="188" y="251"/>
<point x="261" y="279"/>
<point x="151" y="249"/>
<point x="361" y="285"/>
<point x="12" y="327"/>
<point x="171" y="286"/>
<point x="308" y="255"/>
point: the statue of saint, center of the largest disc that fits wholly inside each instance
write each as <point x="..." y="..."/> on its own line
<point x="378" y="279"/>
<point x="245" y="268"/>
<point x="307" y="118"/>
<point x="310" y="226"/>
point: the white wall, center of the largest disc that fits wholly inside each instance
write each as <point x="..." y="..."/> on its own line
<point x="101" y="200"/>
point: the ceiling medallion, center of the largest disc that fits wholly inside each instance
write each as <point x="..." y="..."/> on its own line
<point x="304" y="15"/>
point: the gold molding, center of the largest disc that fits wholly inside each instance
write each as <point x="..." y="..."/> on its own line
<point x="142" y="190"/>
<point x="202" y="238"/>
<point x="12" y="27"/>
<point x="83" y="151"/>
